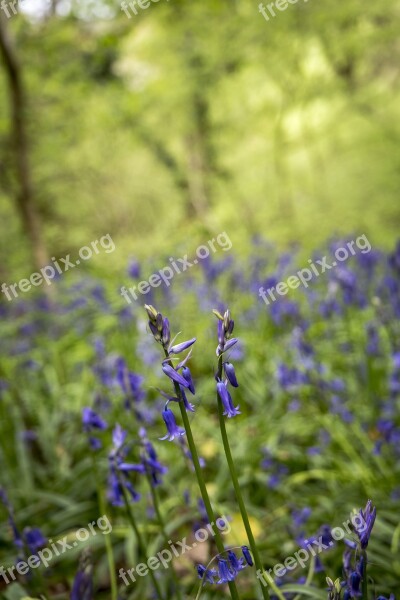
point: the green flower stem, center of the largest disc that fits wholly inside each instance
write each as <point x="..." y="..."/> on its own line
<point x="238" y="493"/>
<point x="200" y="480"/>
<point x="107" y="538"/>
<point x="141" y="544"/>
<point x="364" y="587"/>
<point x="161" y="523"/>
<point x="309" y="576"/>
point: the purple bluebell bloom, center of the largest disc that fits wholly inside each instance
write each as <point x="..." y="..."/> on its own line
<point x="91" y="420"/>
<point x="178" y="348"/>
<point x="247" y="555"/>
<point x="208" y="574"/>
<point x="34" y="539"/>
<point x="120" y="470"/>
<point x="166" y="332"/>
<point x="230" y="373"/>
<point x="235" y="562"/>
<point x="224" y="571"/>
<point x="173" y="429"/>
<point x="354" y="585"/>
<point x="82" y="588"/>
<point x="368" y="516"/>
<point x="134" y="268"/>
<point x="158" y="324"/>
<point x="188" y="378"/>
<point x="175" y="376"/>
<point x="226" y="399"/>
<point x="189" y="407"/>
<point x="150" y="459"/>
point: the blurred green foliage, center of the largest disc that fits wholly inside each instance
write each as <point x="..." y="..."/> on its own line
<point x="194" y="117"/>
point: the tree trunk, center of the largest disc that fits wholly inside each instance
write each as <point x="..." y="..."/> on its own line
<point x="24" y="195"/>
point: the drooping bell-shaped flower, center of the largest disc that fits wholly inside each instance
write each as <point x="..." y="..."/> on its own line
<point x="208" y="574"/>
<point x="236" y="563"/>
<point x="223" y="393"/>
<point x="188" y="378"/>
<point x="247" y="556"/>
<point x="174" y="375"/>
<point x="225" y="573"/>
<point x="230" y="373"/>
<point x="172" y="428"/>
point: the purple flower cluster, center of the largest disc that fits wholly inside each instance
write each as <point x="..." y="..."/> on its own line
<point x="225" y="343"/>
<point x="179" y="375"/>
<point x="227" y="568"/>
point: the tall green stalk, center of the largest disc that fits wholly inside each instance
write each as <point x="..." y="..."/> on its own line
<point x="140" y="542"/>
<point x="161" y="523"/>
<point x="364" y="585"/>
<point x="200" y="480"/>
<point x="107" y="538"/>
<point x="238" y="493"/>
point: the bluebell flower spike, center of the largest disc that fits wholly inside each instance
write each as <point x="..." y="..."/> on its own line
<point x="173" y="430"/>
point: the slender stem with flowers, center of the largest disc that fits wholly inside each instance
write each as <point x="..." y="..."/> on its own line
<point x="159" y="327"/>
<point x="226" y="408"/>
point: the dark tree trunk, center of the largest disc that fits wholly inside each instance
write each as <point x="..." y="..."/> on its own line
<point x="24" y="195"/>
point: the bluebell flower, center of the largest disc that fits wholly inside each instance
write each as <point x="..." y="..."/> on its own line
<point x="150" y="459"/>
<point x="166" y="332"/>
<point x="91" y="420"/>
<point x="372" y="340"/>
<point x="175" y="376"/>
<point x="230" y="373"/>
<point x="209" y="574"/>
<point x="224" y="571"/>
<point x="120" y="469"/>
<point x="129" y="382"/>
<point x="188" y="378"/>
<point x="235" y="562"/>
<point x="225" y="328"/>
<point x="300" y="516"/>
<point x="173" y="429"/>
<point x="290" y="378"/>
<point x="181" y="347"/>
<point x="326" y="535"/>
<point x="354" y="584"/>
<point x="82" y="588"/>
<point x="134" y="268"/>
<point x="247" y="556"/>
<point x="34" y="539"/>
<point x="189" y="407"/>
<point x="368" y="516"/>
<point x="118" y="437"/>
<point x="223" y="393"/>
<point x="227" y="346"/>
